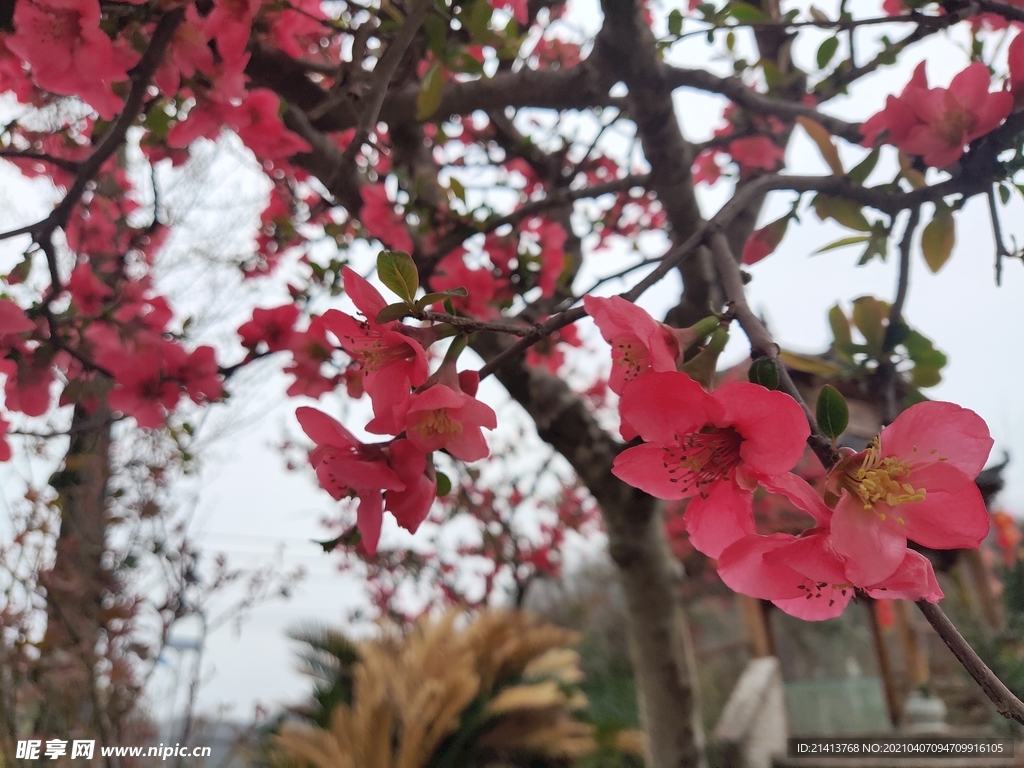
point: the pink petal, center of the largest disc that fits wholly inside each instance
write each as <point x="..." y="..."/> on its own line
<point x="800" y="493"/>
<point x="773" y="426"/>
<point x="744" y="568"/>
<point x="811" y="556"/>
<point x="813" y="608"/>
<point x="369" y="518"/>
<point x="913" y="580"/>
<point x="947" y="520"/>
<point x="366" y="298"/>
<point x="660" y="406"/>
<point x="721" y="519"/>
<point x="643" y="467"/>
<point x="970" y="87"/>
<point x="469" y="444"/>
<point x="874" y="549"/>
<point x="956" y="433"/>
<point x="322" y="429"/>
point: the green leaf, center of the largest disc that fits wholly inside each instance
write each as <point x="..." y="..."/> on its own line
<point x="869" y="316"/>
<point x="763" y="371"/>
<point x="820" y="136"/>
<point x="745" y="13"/>
<point x="398" y="272"/>
<point x="1004" y="193"/>
<point x="434" y="298"/>
<point x="675" y="22"/>
<point x="832" y="412"/>
<point x="826" y="51"/>
<point x="429" y="98"/>
<point x="444" y="484"/>
<point x="863" y="169"/>
<point x="393" y="312"/>
<point x="457" y="188"/>
<point x="842" y="243"/>
<point x="480" y="21"/>
<point x="925" y="376"/>
<point x="846" y="212"/>
<point x="840" y="327"/>
<point x="349" y="538"/>
<point x="938" y="238"/>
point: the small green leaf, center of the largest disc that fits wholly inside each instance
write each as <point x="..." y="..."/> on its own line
<point x="869" y="316"/>
<point x="745" y="13"/>
<point x="842" y="243"/>
<point x="832" y="412"/>
<point x="393" y="312"/>
<point x="349" y="538"/>
<point x="764" y="372"/>
<point x="826" y="51"/>
<point x="846" y="212"/>
<point x="429" y="98"/>
<point x="480" y="21"/>
<point x="675" y="22"/>
<point x="457" y="189"/>
<point x="435" y="298"/>
<point x="444" y="484"/>
<point x="925" y="376"/>
<point x="938" y="238"/>
<point x="820" y="136"/>
<point x="860" y="172"/>
<point x="1004" y="193"/>
<point x="840" y="326"/>
<point x="397" y="271"/>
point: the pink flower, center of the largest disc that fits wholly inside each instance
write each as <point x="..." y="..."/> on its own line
<point x="807" y="578"/>
<point x="756" y="153"/>
<point x="187" y="54"/>
<point x="411" y="506"/>
<point x="640" y="344"/>
<point x="13" y="319"/>
<point x="380" y="219"/>
<point x="5" y="448"/>
<point x="764" y="241"/>
<point x="258" y="124"/>
<point x="915" y="481"/>
<point x="229" y="24"/>
<point x="712" y="448"/>
<point x="143" y="390"/>
<point x="69" y="53"/>
<point x="391" y="362"/>
<point x="937" y="123"/>
<point x="346" y="467"/>
<point x="443" y="416"/>
<point x="275" y="327"/>
<point x="484" y="292"/>
<point x="88" y="292"/>
<point x="1015" y="62"/>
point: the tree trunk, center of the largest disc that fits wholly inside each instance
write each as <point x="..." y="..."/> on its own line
<point x="76" y="584"/>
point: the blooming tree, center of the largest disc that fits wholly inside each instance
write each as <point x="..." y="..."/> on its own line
<point x="499" y="156"/>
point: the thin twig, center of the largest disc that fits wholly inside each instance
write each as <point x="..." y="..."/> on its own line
<point x="903" y="280"/>
<point x="1009" y="706"/>
<point x="761" y="342"/>
<point x="997" y="234"/>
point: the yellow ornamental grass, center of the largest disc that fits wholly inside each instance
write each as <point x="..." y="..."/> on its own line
<point x="449" y="691"/>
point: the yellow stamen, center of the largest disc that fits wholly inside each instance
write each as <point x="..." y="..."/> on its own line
<point x="882" y="479"/>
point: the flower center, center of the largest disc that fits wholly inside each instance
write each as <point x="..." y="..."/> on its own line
<point x="630" y="356"/>
<point x="437" y="422"/>
<point x="882" y="479"/>
<point x="954" y="126"/>
<point x="700" y="458"/>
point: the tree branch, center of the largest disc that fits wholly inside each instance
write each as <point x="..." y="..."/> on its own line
<point x="1008" y="705"/>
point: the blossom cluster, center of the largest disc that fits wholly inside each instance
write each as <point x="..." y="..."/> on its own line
<point x="424" y="412"/>
<point x="913" y="483"/>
